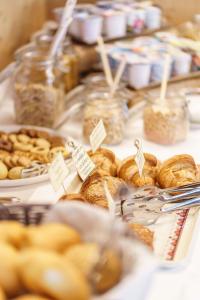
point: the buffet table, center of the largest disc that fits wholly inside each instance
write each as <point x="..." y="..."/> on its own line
<point x="179" y="282"/>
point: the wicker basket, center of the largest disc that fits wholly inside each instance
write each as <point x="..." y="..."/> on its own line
<point x="27" y="214"/>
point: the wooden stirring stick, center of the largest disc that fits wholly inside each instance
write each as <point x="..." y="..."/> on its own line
<point x="63" y="27"/>
<point x="165" y="79"/>
<point x="105" y="62"/>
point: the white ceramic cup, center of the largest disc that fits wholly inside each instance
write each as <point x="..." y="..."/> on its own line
<point x="136" y="20"/>
<point x="115" y="25"/>
<point x="139" y="75"/>
<point x="153" y="17"/>
<point x="90" y="29"/>
<point x="182" y="64"/>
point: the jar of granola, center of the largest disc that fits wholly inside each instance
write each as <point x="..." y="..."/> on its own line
<point x="113" y="113"/>
<point x="67" y="55"/>
<point x="38" y="89"/>
<point x="168" y="123"/>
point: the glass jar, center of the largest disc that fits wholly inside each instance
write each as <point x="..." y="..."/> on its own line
<point x="97" y="82"/>
<point x="67" y="55"/>
<point x="168" y="123"/>
<point x="113" y="113"/>
<point x="38" y="90"/>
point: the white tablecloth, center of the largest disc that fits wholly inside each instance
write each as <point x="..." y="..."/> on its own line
<point x="176" y="284"/>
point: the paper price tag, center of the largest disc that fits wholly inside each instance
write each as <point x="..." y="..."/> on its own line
<point x="111" y="202"/>
<point x="82" y="161"/>
<point x="58" y="172"/>
<point x="97" y="136"/>
<point x="139" y="157"/>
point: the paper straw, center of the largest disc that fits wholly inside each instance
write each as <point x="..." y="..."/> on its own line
<point x="63" y="27"/>
<point x="165" y="78"/>
<point x="118" y="76"/>
<point x="105" y="62"/>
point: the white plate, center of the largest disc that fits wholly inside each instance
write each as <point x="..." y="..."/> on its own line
<point x="31" y="180"/>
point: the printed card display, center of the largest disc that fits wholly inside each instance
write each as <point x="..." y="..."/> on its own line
<point x="97" y="136"/>
<point x="82" y="161"/>
<point x="139" y="157"/>
<point x="58" y="172"/>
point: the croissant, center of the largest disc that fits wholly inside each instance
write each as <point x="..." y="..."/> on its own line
<point x="128" y="171"/>
<point x="105" y="161"/>
<point x="143" y="233"/>
<point x="177" y="171"/>
<point x="93" y="189"/>
<point x="72" y="197"/>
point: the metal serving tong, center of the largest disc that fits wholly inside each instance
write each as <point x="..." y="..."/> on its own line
<point x="147" y="204"/>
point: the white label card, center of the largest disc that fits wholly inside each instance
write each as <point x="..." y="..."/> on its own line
<point x="111" y="202"/>
<point x="139" y="157"/>
<point x="82" y="161"/>
<point x="58" y="171"/>
<point x="97" y="136"/>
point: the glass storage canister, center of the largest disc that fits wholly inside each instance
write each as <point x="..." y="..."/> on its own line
<point x="113" y="113"/>
<point x="97" y="82"/>
<point x="67" y="55"/>
<point x="166" y="123"/>
<point x="38" y="90"/>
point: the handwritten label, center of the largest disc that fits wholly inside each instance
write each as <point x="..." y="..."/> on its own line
<point x="84" y="165"/>
<point x="58" y="172"/>
<point x="97" y="136"/>
<point x="111" y="202"/>
<point x="139" y="157"/>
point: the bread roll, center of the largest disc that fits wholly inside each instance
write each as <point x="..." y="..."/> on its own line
<point x="87" y="256"/>
<point x="9" y="263"/>
<point x="48" y="274"/>
<point x="13" y="233"/>
<point x="56" y="237"/>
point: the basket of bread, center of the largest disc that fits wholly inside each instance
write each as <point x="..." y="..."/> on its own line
<point x="71" y="251"/>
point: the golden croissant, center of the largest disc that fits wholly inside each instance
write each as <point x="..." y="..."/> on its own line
<point x="105" y="161"/>
<point x="93" y="188"/>
<point x="128" y="171"/>
<point x="177" y="171"/>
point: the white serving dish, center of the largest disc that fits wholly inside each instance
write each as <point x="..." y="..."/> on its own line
<point x="31" y="180"/>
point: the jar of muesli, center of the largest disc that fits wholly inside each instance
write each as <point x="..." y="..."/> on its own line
<point x="38" y="89"/>
<point x="112" y="111"/>
<point x="166" y="123"/>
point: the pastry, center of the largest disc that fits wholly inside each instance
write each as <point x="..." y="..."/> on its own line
<point x="2" y="294"/>
<point x="93" y="188"/>
<point x="23" y="148"/>
<point x="143" y="234"/>
<point x="105" y="161"/>
<point x="30" y="297"/>
<point x="15" y="173"/>
<point x="9" y="279"/>
<point x="55" y="237"/>
<point x="13" y="233"/>
<point x="49" y="275"/>
<point x="3" y="170"/>
<point x="128" y="171"/>
<point x="104" y="269"/>
<point x="73" y="197"/>
<point x="177" y="171"/>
